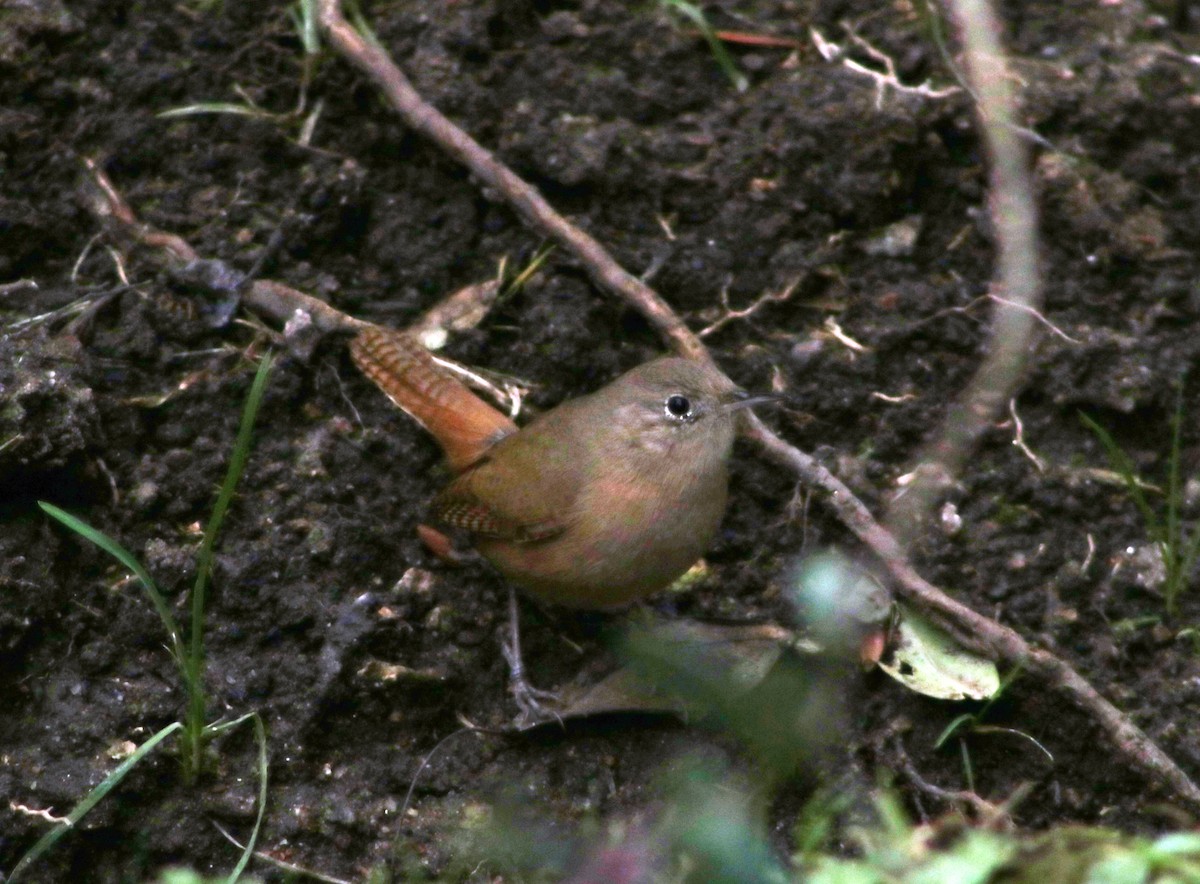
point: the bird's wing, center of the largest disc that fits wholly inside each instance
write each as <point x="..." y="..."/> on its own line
<point x="456" y="510"/>
<point x="524" y="489"/>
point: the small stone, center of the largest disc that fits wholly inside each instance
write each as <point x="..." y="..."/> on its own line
<point x="898" y="240"/>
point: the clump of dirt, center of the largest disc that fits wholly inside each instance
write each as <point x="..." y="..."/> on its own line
<point x="868" y="202"/>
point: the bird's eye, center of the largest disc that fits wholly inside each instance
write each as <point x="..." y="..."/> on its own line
<point x="678" y="406"/>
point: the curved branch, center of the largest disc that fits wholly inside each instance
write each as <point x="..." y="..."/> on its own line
<point x="1014" y="221"/>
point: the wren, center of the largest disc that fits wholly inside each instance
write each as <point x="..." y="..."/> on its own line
<point x="599" y="501"/>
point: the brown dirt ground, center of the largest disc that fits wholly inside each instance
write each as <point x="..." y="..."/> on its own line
<point x="620" y="116"/>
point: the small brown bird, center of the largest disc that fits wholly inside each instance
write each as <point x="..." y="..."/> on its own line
<point x="596" y="503"/>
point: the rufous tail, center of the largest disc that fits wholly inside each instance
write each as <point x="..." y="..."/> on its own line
<point x="462" y="423"/>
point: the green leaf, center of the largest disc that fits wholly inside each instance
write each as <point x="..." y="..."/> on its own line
<point x="260" y="737"/>
<point x="126" y="558"/>
<point x="973" y="860"/>
<point x="1178" y="843"/>
<point x="90" y="800"/>
<point x="928" y="661"/>
<point x="843" y="871"/>
<point x="1123" y="868"/>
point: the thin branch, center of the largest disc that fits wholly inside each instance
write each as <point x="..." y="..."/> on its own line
<point x="273" y="299"/>
<point x="885" y="79"/>
<point x="1039" y="316"/>
<point x="1014" y="220"/>
<point x="43" y="814"/>
<point x="1019" y="437"/>
<point x="988" y="813"/>
<point x="19" y="285"/>
<point x="729" y="314"/>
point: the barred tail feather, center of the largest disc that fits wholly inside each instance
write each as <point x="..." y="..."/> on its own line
<point x="462" y="423"/>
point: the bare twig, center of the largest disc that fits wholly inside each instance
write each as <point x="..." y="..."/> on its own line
<point x="729" y="314"/>
<point x="264" y="297"/>
<point x="274" y="299"/>
<point x="43" y="814"/>
<point x="885" y="79"/>
<point x="108" y="202"/>
<point x="893" y="400"/>
<point x="835" y="331"/>
<point x="18" y="285"/>
<point x="507" y="391"/>
<point x="1091" y="553"/>
<point x="1019" y="437"/>
<point x="988" y="813"/>
<point x="1014" y="220"/>
<point x="83" y="253"/>
<point x="1039" y="316"/>
<point x="281" y="302"/>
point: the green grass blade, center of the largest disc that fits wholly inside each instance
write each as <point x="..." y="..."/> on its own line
<point x="1174" y="555"/>
<point x="260" y="737"/>
<point x="90" y="800"/>
<point x="1178" y="551"/>
<point x="126" y="558"/>
<point x="213" y="730"/>
<point x="1193" y="549"/>
<point x="1125" y="468"/>
<point x="968" y="768"/>
<point x="518" y="281"/>
<point x="304" y="19"/>
<point x="237" y="462"/>
<point x="952" y="728"/>
<point x="696" y="16"/>
<point x="359" y="22"/>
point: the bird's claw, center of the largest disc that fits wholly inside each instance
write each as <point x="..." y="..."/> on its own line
<point x="530" y="700"/>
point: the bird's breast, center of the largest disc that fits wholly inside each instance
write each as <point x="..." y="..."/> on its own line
<point x="629" y="535"/>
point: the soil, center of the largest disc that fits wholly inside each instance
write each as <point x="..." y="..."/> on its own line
<point x="620" y="115"/>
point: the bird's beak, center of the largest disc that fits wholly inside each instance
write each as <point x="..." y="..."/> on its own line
<point x="741" y="399"/>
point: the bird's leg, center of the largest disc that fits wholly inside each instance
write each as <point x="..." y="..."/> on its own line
<point x="528" y="698"/>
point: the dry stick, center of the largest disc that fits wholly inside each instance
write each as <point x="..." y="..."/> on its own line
<point x="1014" y="220"/>
<point x="274" y="299"/>
<point x="107" y="204"/>
<point x="974" y="630"/>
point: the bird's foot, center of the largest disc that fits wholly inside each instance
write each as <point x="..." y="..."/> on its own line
<point x="535" y="705"/>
